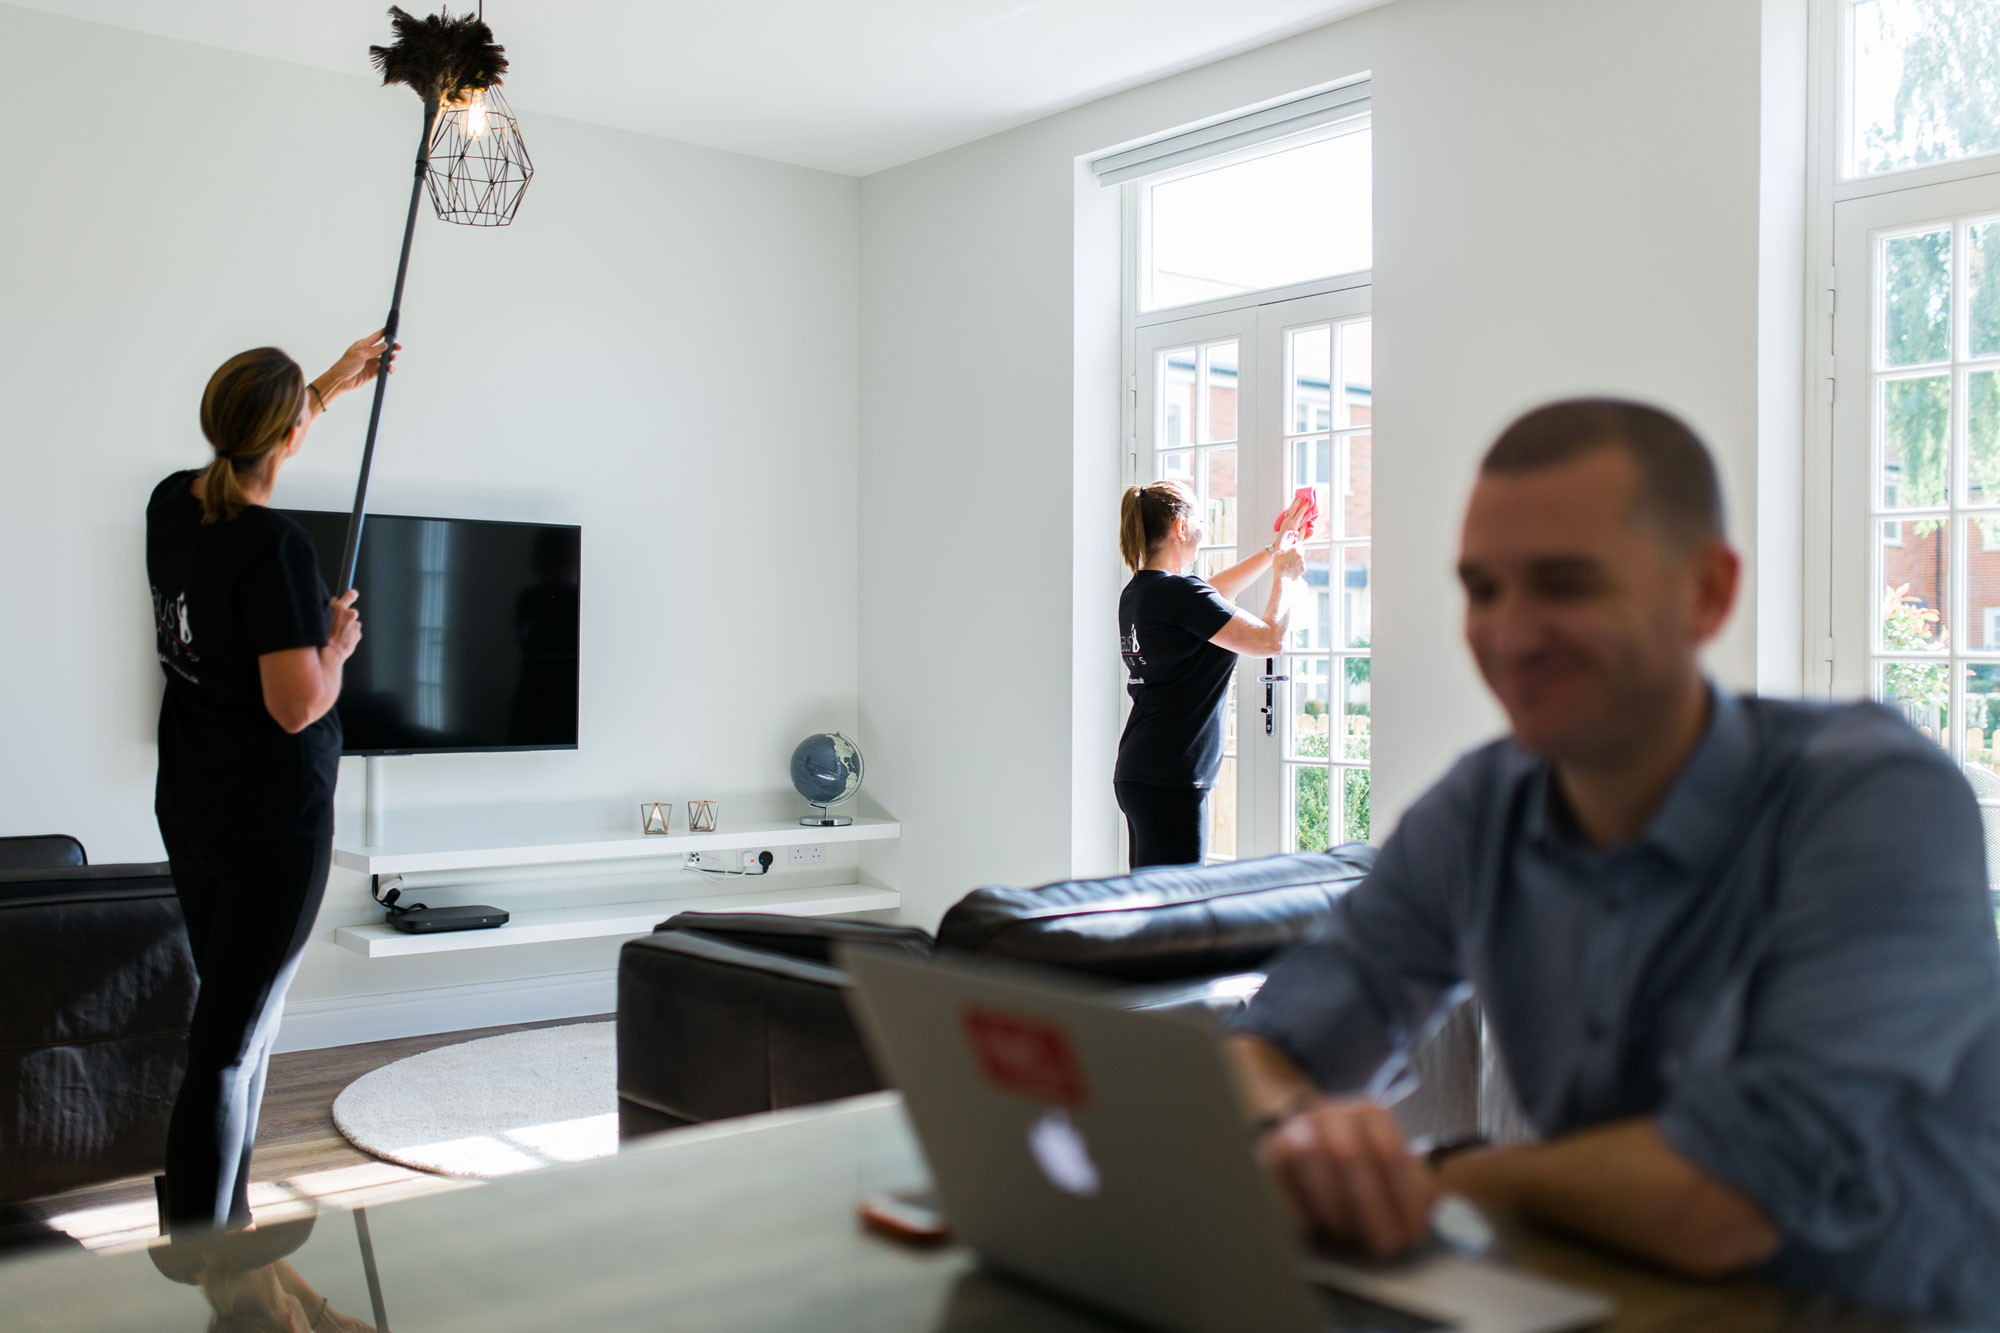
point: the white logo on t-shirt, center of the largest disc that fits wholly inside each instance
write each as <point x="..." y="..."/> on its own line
<point x="1128" y="648"/>
<point x="176" y="632"/>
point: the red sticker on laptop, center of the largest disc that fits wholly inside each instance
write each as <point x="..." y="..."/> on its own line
<point x="1029" y="1057"/>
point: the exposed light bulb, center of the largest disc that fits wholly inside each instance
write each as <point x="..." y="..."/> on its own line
<point x="475" y="118"/>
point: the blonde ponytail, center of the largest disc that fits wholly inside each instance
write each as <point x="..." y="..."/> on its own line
<point x="1146" y="515"/>
<point x="248" y="412"/>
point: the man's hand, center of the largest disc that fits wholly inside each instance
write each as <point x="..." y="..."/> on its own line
<point x="1347" y="1174"/>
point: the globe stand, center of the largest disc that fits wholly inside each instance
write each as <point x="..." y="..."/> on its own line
<point x="823" y="819"/>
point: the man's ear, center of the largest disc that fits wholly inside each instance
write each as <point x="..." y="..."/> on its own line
<point x="1718" y="572"/>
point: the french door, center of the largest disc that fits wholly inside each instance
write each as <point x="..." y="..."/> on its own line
<point x="1246" y="406"/>
<point x="1914" y="550"/>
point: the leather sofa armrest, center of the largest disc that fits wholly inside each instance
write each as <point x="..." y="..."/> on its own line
<point x="709" y="1028"/>
<point x="797" y="936"/>
<point x="1216" y="1000"/>
<point x="51" y="884"/>
<point x="1164" y="923"/>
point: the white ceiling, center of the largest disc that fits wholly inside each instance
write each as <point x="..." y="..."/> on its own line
<point x="846" y="85"/>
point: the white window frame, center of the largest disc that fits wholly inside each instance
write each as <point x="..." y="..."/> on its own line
<point x="1138" y="234"/>
<point x="1135" y="320"/>
<point x="1829" y="27"/>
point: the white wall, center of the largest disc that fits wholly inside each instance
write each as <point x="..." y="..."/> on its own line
<point x="662" y="348"/>
<point x="1567" y="199"/>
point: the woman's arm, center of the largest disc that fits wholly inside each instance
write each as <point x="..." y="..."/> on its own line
<point x="1265" y="637"/>
<point x="301" y="684"/>
<point x="1232" y="580"/>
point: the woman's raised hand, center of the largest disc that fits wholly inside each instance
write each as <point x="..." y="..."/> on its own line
<point x="357" y="366"/>
<point x="345" y="636"/>
<point x="1288" y="563"/>
<point x="1293" y="518"/>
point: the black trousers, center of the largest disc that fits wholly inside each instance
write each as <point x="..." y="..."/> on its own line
<point x="249" y="907"/>
<point x="1164" y="826"/>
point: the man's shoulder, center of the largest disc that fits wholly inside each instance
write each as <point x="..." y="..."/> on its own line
<point x="1484" y="776"/>
<point x="1839" y="738"/>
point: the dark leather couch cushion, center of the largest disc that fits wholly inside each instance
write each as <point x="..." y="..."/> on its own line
<point x="40" y="851"/>
<point x="1161" y="923"/>
<point x="812" y="938"/>
<point x="82" y="967"/>
<point x="76" y="1115"/>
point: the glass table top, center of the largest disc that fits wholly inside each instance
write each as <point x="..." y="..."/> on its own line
<point x="744" y="1226"/>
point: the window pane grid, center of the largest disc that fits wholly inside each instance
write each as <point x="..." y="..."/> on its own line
<point x="1327" y="445"/>
<point x="1934" y="653"/>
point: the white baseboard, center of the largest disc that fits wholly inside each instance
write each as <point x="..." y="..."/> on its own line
<point x="311" y="1025"/>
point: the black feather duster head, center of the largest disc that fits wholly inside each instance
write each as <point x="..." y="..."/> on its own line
<point x="441" y="57"/>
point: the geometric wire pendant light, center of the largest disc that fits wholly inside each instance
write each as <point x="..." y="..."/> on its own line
<point x="478" y="167"/>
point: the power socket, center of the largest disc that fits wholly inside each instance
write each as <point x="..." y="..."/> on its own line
<point x="810" y="854"/>
<point x="751" y="860"/>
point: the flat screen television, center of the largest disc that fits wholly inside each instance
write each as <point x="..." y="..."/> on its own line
<point x="468" y="633"/>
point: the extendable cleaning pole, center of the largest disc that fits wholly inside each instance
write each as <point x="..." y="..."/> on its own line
<point x="352" y="551"/>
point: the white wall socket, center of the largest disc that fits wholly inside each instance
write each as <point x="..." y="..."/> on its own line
<point x="750" y="859"/>
<point x="810" y="854"/>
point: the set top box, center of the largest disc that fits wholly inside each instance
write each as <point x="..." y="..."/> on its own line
<point x="469" y="633"/>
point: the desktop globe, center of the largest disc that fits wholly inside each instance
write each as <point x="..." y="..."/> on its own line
<point x="826" y="770"/>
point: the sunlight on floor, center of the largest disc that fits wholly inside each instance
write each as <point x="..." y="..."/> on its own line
<point x="517" y="1150"/>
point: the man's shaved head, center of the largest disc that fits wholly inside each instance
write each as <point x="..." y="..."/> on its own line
<point x="1678" y="491"/>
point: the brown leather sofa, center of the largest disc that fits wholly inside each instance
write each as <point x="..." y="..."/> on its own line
<point x="96" y="989"/>
<point x="728" y="1014"/>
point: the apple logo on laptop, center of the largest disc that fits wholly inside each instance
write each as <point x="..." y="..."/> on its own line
<point x="1058" y="1148"/>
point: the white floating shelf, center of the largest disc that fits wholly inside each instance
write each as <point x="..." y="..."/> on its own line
<point x="502" y="845"/>
<point x="604" y="919"/>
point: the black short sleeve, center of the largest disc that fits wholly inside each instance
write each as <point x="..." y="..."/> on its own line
<point x="284" y="600"/>
<point x="1177" y="678"/>
<point x="1196" y="607"/>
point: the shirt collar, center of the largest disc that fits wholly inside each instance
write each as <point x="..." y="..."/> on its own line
<point x="1702" y="805"/>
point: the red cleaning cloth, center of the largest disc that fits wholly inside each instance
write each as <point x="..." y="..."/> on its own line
<point x="1312" y="513"/>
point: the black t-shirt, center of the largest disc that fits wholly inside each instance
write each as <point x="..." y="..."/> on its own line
<point x="223" y="595"/>
<point x="1178" y="679"/>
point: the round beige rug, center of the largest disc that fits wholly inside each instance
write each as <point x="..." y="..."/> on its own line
<point x="493" y="1107"/>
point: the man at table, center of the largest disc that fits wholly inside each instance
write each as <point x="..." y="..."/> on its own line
<point x="1738" y="955"/>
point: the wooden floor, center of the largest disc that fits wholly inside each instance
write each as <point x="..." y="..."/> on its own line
<point x="300" y="1156"/>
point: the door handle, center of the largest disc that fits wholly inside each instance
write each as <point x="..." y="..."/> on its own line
<point x="1268" y="679"/>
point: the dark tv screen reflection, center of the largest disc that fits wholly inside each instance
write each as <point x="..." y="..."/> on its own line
<point x="468" y="633"/>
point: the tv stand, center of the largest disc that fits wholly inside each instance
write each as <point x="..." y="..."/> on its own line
<point x="459" y="840"/>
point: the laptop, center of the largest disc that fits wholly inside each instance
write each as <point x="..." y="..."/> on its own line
<point x="1104" y="1154"/>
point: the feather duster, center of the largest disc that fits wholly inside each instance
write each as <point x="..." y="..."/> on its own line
<point x="441" y="57"/>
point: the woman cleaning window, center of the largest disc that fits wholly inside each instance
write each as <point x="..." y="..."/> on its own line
<point x="1180" y="638"/>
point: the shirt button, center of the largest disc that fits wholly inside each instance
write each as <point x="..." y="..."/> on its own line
<point x="1595" y="1030"/>
<point x="1614" y="904"/>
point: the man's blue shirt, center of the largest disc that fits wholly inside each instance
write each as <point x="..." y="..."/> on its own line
<point x="1793" y="971"/>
